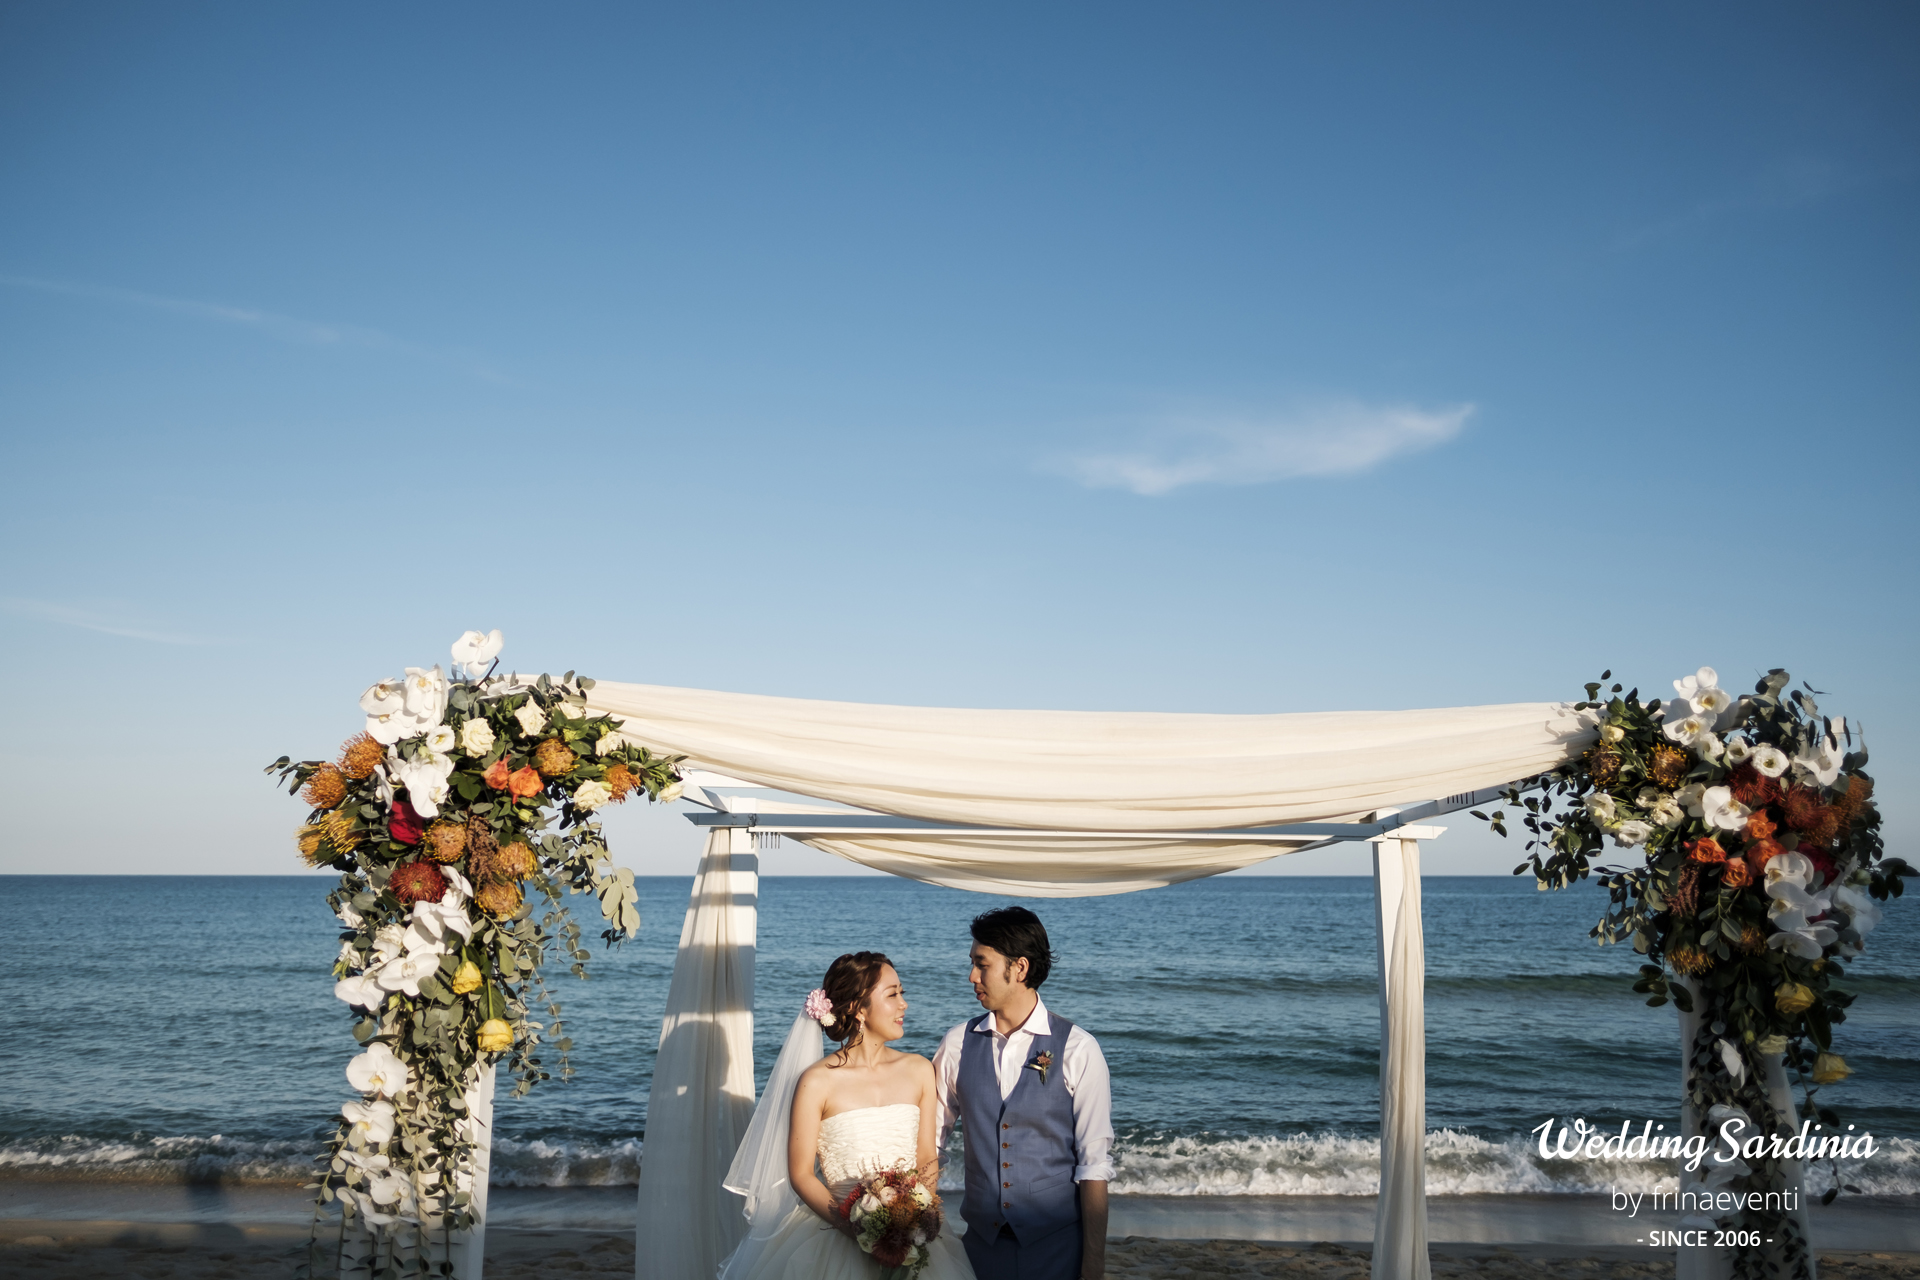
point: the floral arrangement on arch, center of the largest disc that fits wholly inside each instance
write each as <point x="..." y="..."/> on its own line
<point x="458" y="795"/>
<point x="1760" y="876"/>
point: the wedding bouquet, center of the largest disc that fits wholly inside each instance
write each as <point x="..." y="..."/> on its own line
<point x="897" y="1213"/>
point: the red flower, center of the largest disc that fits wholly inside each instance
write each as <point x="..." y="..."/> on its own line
<point x="526" y="782"/>
<point x="497" y="773"/>
<point x="1706" y="849"/>
<point x="405" y="825"/>
<point x="413" y="882"/>
<point x="1752" y="787"/>
<point x="1822" y="861"/>
<point x="891" y="1249"/>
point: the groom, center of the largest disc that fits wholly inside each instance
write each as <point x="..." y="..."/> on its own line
<point x="1032" y="1093"/>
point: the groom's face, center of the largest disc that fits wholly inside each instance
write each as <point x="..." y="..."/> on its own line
<point x="995" y="978"/>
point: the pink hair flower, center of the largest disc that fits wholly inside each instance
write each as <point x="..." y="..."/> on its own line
<point x="818" y="1007"/>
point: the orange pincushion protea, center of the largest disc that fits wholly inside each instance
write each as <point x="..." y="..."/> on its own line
<point x="512" y="862"/>
<point x="446" y="840"/>
<point x="413" y="882"/>
<point x="1667" y="764"/>
<point x="326" y="788"/>
<point x="498" y="898"/>
<point x="621" y="780"/>
<point x="1753" y="939"/>
<point x="1691" y="961"/>
<point x="360" y="755"/>
<point x="553" y="758"/>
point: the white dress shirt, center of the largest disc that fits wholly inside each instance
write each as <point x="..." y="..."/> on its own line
<point x="1082" y="1066"/>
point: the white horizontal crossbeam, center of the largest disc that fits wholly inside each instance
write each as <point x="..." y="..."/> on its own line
<point x="825" y="824"/>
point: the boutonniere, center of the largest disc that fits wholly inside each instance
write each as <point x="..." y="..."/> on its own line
<point x="1043" y="1063"/>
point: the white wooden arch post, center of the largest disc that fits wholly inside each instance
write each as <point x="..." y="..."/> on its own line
<point x="1400" y="1218"/>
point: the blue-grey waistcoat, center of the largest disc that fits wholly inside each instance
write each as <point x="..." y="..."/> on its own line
<point x="1020" y="1155"/>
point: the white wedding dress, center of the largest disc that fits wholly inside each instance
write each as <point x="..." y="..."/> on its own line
<point x="854" y="1146"/>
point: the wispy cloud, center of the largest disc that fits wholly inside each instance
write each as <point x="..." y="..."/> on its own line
<point x="92" y="620"/>
<point x="1328" y="440"/>
<point x="285" y="328"/>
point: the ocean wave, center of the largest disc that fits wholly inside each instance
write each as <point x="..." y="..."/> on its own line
<point x="144" y="1158"/>
<point x="1323" y="1164"/>
<point x="1330" y="1164"/>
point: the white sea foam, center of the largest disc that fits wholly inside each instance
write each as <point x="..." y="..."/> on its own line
<point x="1325" y="1164"/>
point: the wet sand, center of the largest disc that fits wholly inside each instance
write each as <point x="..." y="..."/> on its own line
<point x="61" y="1249"/>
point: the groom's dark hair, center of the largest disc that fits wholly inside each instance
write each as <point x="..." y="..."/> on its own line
<point x="1017" y="934"/>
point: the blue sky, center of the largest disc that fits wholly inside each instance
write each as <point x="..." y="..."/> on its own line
<point x="1223" y="358"/>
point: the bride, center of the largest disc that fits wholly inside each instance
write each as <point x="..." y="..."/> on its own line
<point x="825" y="1123"/>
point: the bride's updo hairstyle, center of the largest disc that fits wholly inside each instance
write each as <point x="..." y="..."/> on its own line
<point x="849" y="981"/>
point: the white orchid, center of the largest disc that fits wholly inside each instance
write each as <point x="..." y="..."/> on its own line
<point x="390" y="942"/>
<point x="404" y="974"/>
<point x="426" y="694"/>
<point x="474" y="650"/>
<point x="532" y="719"/>
<point x="361" y="992"/>
<point x="369" y="1124"/>
<point x="378" y="1070"/>
<point x="1794" y="909"/>
<point x="1823" y="757"/>
<point x="426" y="782"/>
<point x="437" y="919"/>
<point x="1862" y="910"/>
<point x="476" y="737"/>
<point x="459" y="890"/>
<point x="1632" y="832"/>
<point x="592" y="794"/>
<point x="1789" y="868"/>
<point x="1720" y="810"/>
<point x="349" y="917"/>
<point x="391" y="1188"/>
<point x="1689" y="798"/>
<point x="386" y="706"/>
<point x="1690" y="687"/>
<point x="1770" y="760"/>
<point x="1739" y="750"/>
<point x="1684" y="725"/>
<point x="440" y="740"/>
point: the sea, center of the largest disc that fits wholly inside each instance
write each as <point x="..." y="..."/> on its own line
<point x="183" y="1029"/>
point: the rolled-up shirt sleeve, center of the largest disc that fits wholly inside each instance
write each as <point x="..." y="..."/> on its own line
<point x="1092" y="1089"/>
<point x="946" y="1083"/>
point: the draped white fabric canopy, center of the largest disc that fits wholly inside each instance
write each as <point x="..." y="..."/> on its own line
<point x="1042" y="803"/>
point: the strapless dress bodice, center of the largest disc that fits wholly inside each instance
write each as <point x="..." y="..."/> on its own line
<point x="855" y="1145"/>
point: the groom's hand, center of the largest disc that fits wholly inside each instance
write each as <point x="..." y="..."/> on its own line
<point x="1093" y="1230"/>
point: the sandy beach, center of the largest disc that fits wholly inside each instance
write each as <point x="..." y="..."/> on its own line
<point x="105" y="1250"/>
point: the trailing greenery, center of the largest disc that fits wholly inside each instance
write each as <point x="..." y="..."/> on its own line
<point x="464" y="803"/>
<point x="1759" y="876"/>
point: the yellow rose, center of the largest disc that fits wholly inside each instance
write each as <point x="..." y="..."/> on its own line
<point x="466" y="977"/>
<point x="1830" y="1068"/>
<point x="494" y="1036"/>
<point x="1791" y="998"/>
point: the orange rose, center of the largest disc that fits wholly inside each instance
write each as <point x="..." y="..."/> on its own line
<point x="526" y="782"/>
<point x="1706" y="849"/>
<point x="1760" y="826"/>
<point x="1761" y="852"/>
<point x="497" y="773"/>
<point x="1736" y="873"/>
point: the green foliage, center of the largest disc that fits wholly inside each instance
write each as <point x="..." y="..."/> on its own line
<point x="495" y="796"/>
